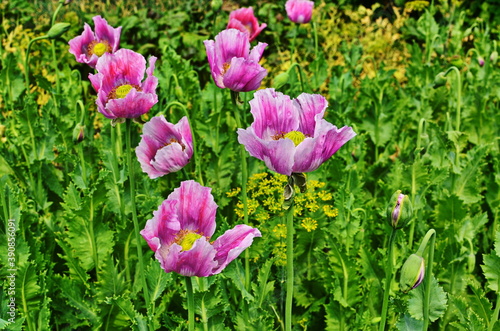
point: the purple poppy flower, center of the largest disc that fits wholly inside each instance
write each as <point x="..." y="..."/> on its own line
<point x="164" y="147"/>
<point x="232" y="63"/>
<point x="291" y="136"/>
<point x="299" y="11"/>
<point x="121" y="93"/>
<point x="179" y="233"/>
<point x="243" y="19"/>
<point x="88" y="47"/>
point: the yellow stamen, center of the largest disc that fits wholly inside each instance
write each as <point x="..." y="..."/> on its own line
<point x="99" y="48"/>
<point x="186" y="241"/>
<point x="296" y="136"/>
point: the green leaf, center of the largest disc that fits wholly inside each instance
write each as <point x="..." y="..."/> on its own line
<point x="408" y="323"/>
<point x="437" y="301"/>
<point x="491" y="270"/>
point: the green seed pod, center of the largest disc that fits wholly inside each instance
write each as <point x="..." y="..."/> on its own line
<point x="440" y="80"/>
<point x="79" y="133"/>
<point x="412" y="273"/>
<point x="58" y="30"/>
<point x="216" y="4"/>
<point x="399" y="210"/>
<point x="281" y="80"/>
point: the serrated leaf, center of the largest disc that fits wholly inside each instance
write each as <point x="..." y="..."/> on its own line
<point x="497" y="243"/>
<point x="86" y="310"/>
<point x="491" y="270"/>
<point x="408" y="323"/>
<point x="157" y="279"/>
<point x="437" y="301"/>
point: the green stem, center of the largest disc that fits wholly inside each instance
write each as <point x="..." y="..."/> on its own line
<point x="289" y="266"/>
<point x="93" y="241"/>
<point x="131" y="169"/>
<point x="190" y="302"/>
<point x="295" y="64"/>
<point x="494" y="316"/>
<point x="459" y="95"/>
<point x="388" y="280"/>
<point x="26" y="62"/>
<point x="431" y="234"/>
<point x="244" y="178"/>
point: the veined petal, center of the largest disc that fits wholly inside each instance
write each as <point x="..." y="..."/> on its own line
<point x="277" y="154"/>
<point x="78" y="46"/>
<point x="273" y="114"/>
<point x="244" y="75"/>
<point x="230" y="43"/>
<point x="133" y="105"/>
<point x="256" y="52"/>
<point x="196" y="208"/>
<point x="150" y="83"/>
<point x="198" y="261"/>
<point x="104" y="31"/>
<point x="146" y="151"/>
<point x="163" y="227"/>
<point x="312" y="152"/>
<point x="170" y="158"/>
<point x="230" y="245"/>
<point x="311" y="108"/>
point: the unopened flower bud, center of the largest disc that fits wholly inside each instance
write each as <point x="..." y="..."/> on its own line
<point x="480" y="60"/>
<point x="79" y="133"/>
<point x="471" y="262"/>
<point x="58" y="30"/>
<point x="494" y="57"/>
<point x="457" y="61"/>
<point x="281" y="80"/>
<point x="178" y="92"/>
<point x="440" y="80"/>
<point x="216" y="4"/>
<point x="412" y="273"/>
<point x="399" y="210"/>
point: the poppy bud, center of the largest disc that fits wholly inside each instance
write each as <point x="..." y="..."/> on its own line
<point x="457" y="61"/>
<point x="58" y="30"/>
<point x="494" y="57"/>
<point x="399" y="210"/>
<point x="79" y="133"/>
<point x="480" y="60"/>
<point x="216" y="4"/>
<point x="281" y="79"/>
<point x="440" y="80"/>
<point x="412" y="273"/>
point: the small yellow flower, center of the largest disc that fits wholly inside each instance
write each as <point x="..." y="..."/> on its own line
<point x="330" y="211"/>
<point x="280" y="231"/>
<point x="309" y="224"/>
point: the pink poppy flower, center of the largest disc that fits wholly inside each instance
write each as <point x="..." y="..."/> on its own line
<point x="179" y="233"/>
<point x="88" y="47"/>
<point x="299" y="11"/>
<point x="121" y="93"/>
<point x="164" y="147"/>
<point x="232" y="64"/>
<point x="244" y="20"/>
<point x="291" y="136"/>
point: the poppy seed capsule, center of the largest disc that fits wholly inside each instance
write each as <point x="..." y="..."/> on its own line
<point x="412" y="273"/>
<point x="399" y="211"/>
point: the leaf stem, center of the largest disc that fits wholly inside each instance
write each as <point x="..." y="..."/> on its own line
<point x="388" y="280"/>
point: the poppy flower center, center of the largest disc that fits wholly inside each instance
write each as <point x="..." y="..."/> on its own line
<point x="121" y="91"/>
<point x="225" y="67"/>
<point x="99" y="48"/>
<point x="296" y="136"/>
<point x="186" y="239"/>
<point x="171" y="141"/>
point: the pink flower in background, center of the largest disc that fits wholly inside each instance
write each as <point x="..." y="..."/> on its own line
<point x="244" y="20"/>
<point x="164" y="147"/>
<point x="179" y="233"/>
<point x="89" y="46"/>
<point x="299" y="11"/>
<point x="121" y="93"/>
<point x="232" y="64"/>
<point x="291" y="136"/>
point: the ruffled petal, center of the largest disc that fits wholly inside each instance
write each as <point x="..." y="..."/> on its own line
<point x="256" y="53"/>
<point x="198" y="261"/>
<point x="230" y="43"/>
<point x="133" y="105"/>
<point x="146" y="151"/>
<point x="312" y="152"/>
<point x="230" y="245"/>
<point x="244" y="75"/>
<point x="78" y="46"/>
<point x="196" y="208"/>
<point x="170" y="158"/>
<point x="151" y="82"/>
<point x="277" y="154"/>
<point x="310" y="107"/>
<point x="104" y="31"/>
<point x="273" y="114"/>
<point x="163" y="227"/>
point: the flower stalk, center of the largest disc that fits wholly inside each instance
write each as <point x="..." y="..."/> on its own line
<point x="389" y="275"/>
<point x="190" y="302"/>
<point x="131" y="169"/>
<point x="289" y="265"/>
<point x="430" y="235"/>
